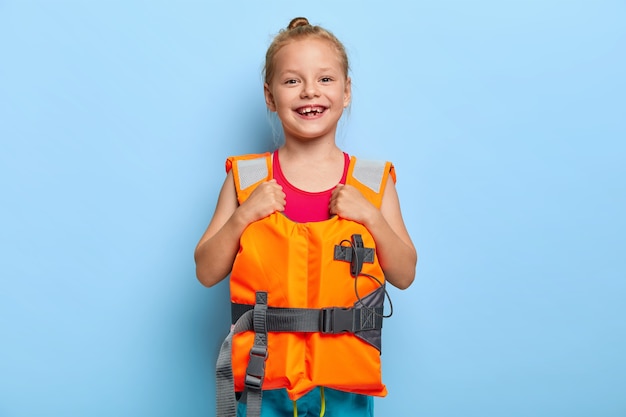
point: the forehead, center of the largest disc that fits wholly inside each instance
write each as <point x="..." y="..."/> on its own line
<point x="308" y="53"/>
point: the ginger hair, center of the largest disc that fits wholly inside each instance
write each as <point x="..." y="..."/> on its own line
<point x="300" y="28"/>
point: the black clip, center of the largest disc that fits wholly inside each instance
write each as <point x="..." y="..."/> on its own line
<point x="356" y="263"/>
<point x="335" y="320"/>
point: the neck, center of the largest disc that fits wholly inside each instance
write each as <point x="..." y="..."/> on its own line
<point x="313" y="168"/>
<point x="322" y="147"/>
<point x="309" y="151"/>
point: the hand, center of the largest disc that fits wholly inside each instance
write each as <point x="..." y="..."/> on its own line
<point x="266" y="198"/>
<point x="347" y="202"/>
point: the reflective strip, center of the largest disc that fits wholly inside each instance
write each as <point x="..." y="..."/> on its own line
<point x="251" y="171"/>
<point x="369" y="173"/>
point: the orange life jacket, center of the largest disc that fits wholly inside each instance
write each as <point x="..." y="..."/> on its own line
<point x="324" y="274"/>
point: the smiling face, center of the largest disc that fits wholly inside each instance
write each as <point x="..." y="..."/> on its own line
<point x="308" y="89"/>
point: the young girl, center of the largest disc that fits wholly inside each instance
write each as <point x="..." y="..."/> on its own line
<point x="277" y="217"/>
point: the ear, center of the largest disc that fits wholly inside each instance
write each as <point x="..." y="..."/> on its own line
<point x="347" y="94"/>
<point x="269" y="98"/>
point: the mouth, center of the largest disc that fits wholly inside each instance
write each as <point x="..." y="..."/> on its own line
<point x="310" y="111"/>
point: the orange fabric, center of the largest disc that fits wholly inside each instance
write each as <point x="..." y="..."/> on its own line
<point x="375" y="197"/>
<point x="294" y="263"/>
<point x="242" y="195"/>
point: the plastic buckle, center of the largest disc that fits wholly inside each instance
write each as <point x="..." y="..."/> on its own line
<point x="335" y="320"/>
<point x="255" y="372"/>
<point x="253" y="382"/>
<point x="259" y="351"/>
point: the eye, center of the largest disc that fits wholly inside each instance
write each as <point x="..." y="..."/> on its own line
<point x="326" y="79"/>
<point x="291" y="81"/>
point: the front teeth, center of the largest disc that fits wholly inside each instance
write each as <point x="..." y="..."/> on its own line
<point x="309" y="110"/>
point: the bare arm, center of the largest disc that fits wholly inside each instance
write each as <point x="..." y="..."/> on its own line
<point x="394" y="247"/>
<point x="216" y="251"/>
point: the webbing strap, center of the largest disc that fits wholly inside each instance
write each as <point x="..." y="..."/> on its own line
<point x="226" y="403"/>
<point x="324" y="320"/>
<point x="255" y="372"/>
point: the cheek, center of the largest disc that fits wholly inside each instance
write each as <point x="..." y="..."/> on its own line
<point x="281" y="100"/>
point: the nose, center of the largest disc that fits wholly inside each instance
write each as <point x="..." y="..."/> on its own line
<point x="309" y="90"/>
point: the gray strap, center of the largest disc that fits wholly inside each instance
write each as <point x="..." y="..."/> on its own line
<point x="255" y="372"/>
<point x="344" y="253"/>
<point x="225" y="384"/>
<point x="324" y="320"/>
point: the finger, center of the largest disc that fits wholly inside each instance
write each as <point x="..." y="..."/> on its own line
<point x="332" y="204"/>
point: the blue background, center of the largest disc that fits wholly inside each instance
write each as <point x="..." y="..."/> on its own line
<point x="506" y="123"/>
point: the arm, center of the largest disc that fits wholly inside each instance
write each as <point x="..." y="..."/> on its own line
<point x="216" y="251"/>
<point x="394" y="247"/>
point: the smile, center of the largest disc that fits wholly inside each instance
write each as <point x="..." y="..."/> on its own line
<point x="311" y="110"/>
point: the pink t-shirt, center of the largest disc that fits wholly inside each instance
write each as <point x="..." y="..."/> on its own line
<point x="303" y="206"/>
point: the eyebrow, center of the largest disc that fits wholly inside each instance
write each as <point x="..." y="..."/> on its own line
<point x="292" y="71"/>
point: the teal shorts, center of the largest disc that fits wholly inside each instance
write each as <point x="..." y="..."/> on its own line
<point x="276" y="403"/>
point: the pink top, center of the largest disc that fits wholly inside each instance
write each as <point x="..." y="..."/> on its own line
<point x="303" y="206"/>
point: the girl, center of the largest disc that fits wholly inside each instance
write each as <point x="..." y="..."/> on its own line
<point x="306" y="182"/>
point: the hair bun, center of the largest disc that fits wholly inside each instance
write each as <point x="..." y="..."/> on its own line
<point x="297" y="22"/>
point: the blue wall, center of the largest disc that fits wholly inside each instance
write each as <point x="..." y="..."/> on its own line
<point x="506" y="122"/>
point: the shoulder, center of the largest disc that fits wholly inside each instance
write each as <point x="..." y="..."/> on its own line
<point x="371" y="176"/>
<point x="248" y="171"/>
<point x="368" y="168"/>
<point x="232" y="161"/>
